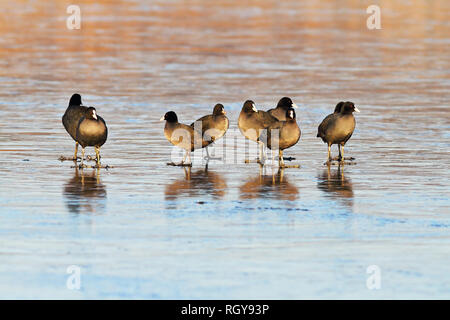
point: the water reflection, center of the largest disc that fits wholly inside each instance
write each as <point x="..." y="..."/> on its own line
<point x="274" y="186"/>
<point x="336" y="185"/>
<point x="84" y="193"/>
<point x="195" y="184"/>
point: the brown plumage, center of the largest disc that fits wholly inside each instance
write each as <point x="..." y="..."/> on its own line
<point x="338" y="127"/>
<point x="182" y="135"/>
<point x="213" y="126"/>
<point x="91" y="132"/>
<point x="252" y="122"/>
<point x="281" y="135"/>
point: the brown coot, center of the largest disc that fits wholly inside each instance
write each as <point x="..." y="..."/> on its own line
<point x="91" y="132"/>
<point x="252" y="122"/>
<point x="182" y="136"/>
<point x="338" y="127"/>
<point x="212" y="126"/>
<point x="282" y="135"/>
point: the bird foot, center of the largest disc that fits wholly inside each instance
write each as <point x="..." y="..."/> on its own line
<point x="97" y="166"/>
<point x="283" y="166"/>
<point x="212" y="158"/>
<point x="88" y="158"/>
<point x="92" y="158"/>
<point x="62" y="158"/>
<point x="179" y="164"/>
<point x="333" y="162"/>
<point x="254" y="161"/>
<point x="340" y="159"/>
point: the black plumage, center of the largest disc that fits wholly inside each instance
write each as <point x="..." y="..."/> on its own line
<point x="283" y="105"/>
<point x="74" y="112"/>
<point x="338" y="127"/>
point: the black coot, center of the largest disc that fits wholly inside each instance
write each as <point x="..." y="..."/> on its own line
<point x="91" y="132"/>
<point x="338" y="127"/>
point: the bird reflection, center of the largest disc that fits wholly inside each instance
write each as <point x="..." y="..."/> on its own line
<point x="274" y="186"/>
<point x="336" y="185"/>
<point x="84" y="193"/>
<point x="200" y="183"/>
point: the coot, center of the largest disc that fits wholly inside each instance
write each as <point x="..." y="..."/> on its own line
<point x="182" y="136"/>
<point x="282" y="135"/>
<point x="338" y="127"/>
<point x="213" y="126"/>
<point x="252" y="122"/>
<point x="91" y="132"/>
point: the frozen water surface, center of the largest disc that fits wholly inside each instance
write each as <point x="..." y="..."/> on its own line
<point x="146" y="230"/>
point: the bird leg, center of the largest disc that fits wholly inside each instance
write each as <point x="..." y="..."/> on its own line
<point x="329" y="153"/>
<point x="183" y="162"/>
<point x="344" y="158"/>
<point x="261" y="157"/>
<point x="75" y="157"/>
<point x="341" y="157"/>
<point x="281" y="164"/>
<point x="280" y="159"/>
<point x="97" y="152"/>
<point x="82" y="158"/>
<point x="281" y="173"/>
